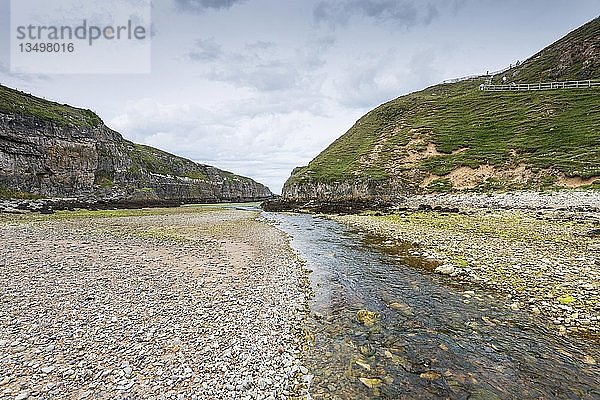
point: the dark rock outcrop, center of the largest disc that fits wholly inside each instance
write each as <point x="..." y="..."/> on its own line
<point x="348" y="190"/>
<point x="328" y="207"/>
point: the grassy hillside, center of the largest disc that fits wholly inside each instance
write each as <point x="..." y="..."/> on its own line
<point x="429" y="134"/>
<point x="16" y="102"/>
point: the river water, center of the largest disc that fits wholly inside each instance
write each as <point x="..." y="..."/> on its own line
<point x="431" y="340"/>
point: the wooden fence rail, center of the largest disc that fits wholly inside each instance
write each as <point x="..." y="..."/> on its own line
<point x="541" y="86"/>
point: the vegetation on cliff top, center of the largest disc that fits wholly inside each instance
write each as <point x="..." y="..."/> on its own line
<point x="160" y="162"/>
<point x="448" y="126"/>
<point x="16" y="102"/>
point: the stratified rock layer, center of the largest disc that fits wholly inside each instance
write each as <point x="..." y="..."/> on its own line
<point x="42" y="157"/>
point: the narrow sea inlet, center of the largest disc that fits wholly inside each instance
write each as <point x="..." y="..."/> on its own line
<point x="381" y="329"/>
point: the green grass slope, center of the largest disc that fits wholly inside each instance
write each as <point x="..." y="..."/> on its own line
<point x="160" y="162"/>
<point x="425" y="138"/>
<point x="16" y="102"/>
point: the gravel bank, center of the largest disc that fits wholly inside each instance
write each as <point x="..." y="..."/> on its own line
<point x="545" y="262"/>
<point x="153" y="304"/>
<point x="573" y="200"/>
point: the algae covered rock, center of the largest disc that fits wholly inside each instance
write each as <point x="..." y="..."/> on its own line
<point x="366" y="317"/>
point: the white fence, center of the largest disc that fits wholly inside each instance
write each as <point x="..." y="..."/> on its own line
<point x="540" y="86"/>
<point x="464" y="78"/>
<point x="488" y="75"/>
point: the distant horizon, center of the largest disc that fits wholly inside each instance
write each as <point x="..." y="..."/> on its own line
<point x="271" y="93"/>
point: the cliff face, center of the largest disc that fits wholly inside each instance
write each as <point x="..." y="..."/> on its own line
<point x="348" y="190"/>
<point x="41" y="158"/>
<point x="47" y="157"/>
<point x="455" y="137"/>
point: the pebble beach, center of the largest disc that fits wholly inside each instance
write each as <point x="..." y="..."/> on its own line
<point x="149" y="304"/>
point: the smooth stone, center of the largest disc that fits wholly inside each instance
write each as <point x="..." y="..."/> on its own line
<point x="445" y="269"/>
<point x="23" y="395"/>
<point x="363" y="364"/>
<point x="430" y="375"/>
<point x="371" y="382"/>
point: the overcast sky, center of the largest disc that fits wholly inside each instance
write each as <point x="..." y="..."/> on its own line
<point x="258" y="87"/>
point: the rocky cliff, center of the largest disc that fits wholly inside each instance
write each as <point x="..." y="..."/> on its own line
<point x="456" y="138"/>
<point x="53" y="150"/>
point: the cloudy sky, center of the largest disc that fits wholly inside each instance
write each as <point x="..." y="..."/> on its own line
<point x="259" y="87"/>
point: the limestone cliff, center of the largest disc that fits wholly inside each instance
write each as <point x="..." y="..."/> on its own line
<point x="53" y="150"/>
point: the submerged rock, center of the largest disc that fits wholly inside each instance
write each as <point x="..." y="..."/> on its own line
<point x="366" y="317"/>
<point x="430" y="375"/>
<point x="371" y="382"/>
<point x="363" y="364"/>
<point x="401" y="307"/>
<point x="589" y="360"/>
<point x="483" y="394"/>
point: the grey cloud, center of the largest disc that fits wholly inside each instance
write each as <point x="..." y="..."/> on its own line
<point x="199" y="6"/>
<point x="361" y="89"/>
<point x="261" y="66"/>
<point x="423" y="68"/>
<point x="378" y="79"/>
<point x="259" y="70"/>
<point x="260" y="45"/>
<point x="206" y="50"/>
<point x="5" y="71"/>
<point x="431" y="13"/>
<point x="402" y="12"/>
<point x="266" y="76"/>
<point x="458" y="5"/>
<point x="313" y="55"/>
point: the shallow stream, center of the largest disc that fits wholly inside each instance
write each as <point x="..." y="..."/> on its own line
<point x="431" y="340"/>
